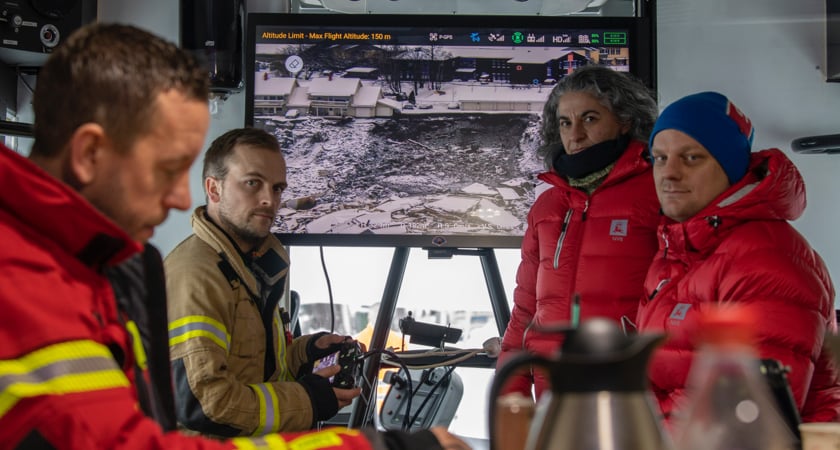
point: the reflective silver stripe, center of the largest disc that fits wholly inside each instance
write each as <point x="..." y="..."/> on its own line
<point x="56" y="369"/>
<point x="284" y="374"/>
<point x="269" y="419"/>
<point x="64" y="368"/>
<point x="198" y="326"/>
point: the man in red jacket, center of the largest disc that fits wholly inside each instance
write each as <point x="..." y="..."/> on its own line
<point x="120" y="116"/>
<point x="725" y="238"/>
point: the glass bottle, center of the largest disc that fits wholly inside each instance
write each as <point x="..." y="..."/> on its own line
<point x="730" y="406"/>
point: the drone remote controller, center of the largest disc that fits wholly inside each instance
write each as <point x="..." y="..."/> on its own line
<point x="350" y="360"/>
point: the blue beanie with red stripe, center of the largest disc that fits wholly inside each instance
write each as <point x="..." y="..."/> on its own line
<point x="717" y="124"/>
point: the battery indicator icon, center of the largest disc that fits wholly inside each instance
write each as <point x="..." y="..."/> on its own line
<point x="615" y="38"/>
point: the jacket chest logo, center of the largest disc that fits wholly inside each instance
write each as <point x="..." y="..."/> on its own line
<point x="678" y="313"/>
<point x="618" y="229"/>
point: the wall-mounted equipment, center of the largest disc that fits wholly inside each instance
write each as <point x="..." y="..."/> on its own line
<point x="212" y="30"/>
<point x="828" y="143"/>
<point x="494" y="7"/>
<point x="832" y="35"/>
<point x="30" y="29"/>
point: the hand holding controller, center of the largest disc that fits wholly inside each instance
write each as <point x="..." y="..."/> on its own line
<point x="350" y="361"/>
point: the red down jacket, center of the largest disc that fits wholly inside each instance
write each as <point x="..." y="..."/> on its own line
<point x="599" y="246"/>
<point x="741" y="248"/>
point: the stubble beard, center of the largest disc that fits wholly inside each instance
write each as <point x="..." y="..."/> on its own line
<point x="244" y="232"/>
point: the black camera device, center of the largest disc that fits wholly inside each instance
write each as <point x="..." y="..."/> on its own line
<point x="428" y="333"/>
<point x="350" y="361"/>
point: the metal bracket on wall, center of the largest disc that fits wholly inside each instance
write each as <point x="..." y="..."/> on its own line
<point x="828" y="143"/>
<point x="8" y="128"/>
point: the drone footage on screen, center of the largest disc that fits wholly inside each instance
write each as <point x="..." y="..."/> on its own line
<point x="416" y="135"/>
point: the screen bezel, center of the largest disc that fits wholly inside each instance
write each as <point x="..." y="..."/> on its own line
<point x="642" y="62"/>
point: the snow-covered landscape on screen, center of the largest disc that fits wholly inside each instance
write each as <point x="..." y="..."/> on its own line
<point x="409" y="174"/>
<point x="408" y="140"/>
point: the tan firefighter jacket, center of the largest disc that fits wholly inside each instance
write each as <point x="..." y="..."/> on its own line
<point x="217" y="338"/>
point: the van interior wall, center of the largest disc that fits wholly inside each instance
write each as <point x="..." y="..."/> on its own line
<point x="768" y="56"/>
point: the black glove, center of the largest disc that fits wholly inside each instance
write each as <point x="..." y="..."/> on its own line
<point x="313" y="353"/>
<point x="324" y="401"/>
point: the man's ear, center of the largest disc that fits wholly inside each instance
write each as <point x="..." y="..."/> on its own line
<point x="87" y="146"/>
<point x="213" y="188"/>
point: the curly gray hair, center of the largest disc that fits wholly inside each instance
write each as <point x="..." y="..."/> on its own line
<point x="623" y="94"/>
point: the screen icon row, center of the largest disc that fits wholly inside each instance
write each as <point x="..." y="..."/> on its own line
<point x="518" y="37"/>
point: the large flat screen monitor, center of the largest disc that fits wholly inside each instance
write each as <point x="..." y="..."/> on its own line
<point x="418" y="131"/>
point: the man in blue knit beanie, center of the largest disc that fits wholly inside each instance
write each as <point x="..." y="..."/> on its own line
<point x="713" y="122"/>
<point x="717" y="124"/>
<point x="726" y="239"/>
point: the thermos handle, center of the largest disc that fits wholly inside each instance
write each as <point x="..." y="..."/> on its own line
<point x="502" y="374"/>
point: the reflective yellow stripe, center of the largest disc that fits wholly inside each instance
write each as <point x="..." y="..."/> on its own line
<point x="284" y="374"/>
<point x="310" y="441"/>
<point x="281" y="338"/>
<point x="269" y="442"/>
<point x="66" y="368"/>
<point x="275" y="442"/>
<point x="137" y="344"/>
<point x="190" y="327"/>
<point x="260" y="430"/>
<point x="269" y="409"/>
<point x="244" y="444"/>
<point x="316" y="440"/>
<point x="275" y="416"/>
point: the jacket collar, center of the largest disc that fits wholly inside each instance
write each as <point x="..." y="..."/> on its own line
<point x="58" y="213"/>
<point x="270" y="260"/>
<point x="773" y="189"/>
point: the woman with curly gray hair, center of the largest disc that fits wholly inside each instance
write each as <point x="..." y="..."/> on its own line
<point x="629" y="100"/>
<point x="592" y="233"/>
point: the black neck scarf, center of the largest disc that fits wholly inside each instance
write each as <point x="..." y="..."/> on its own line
<point x="592" y="159"/>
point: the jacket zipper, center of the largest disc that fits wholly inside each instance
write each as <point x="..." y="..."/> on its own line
<point x="659" y="286"/>
<point x="562" y="237"/>
<point x="665" y="240"/>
